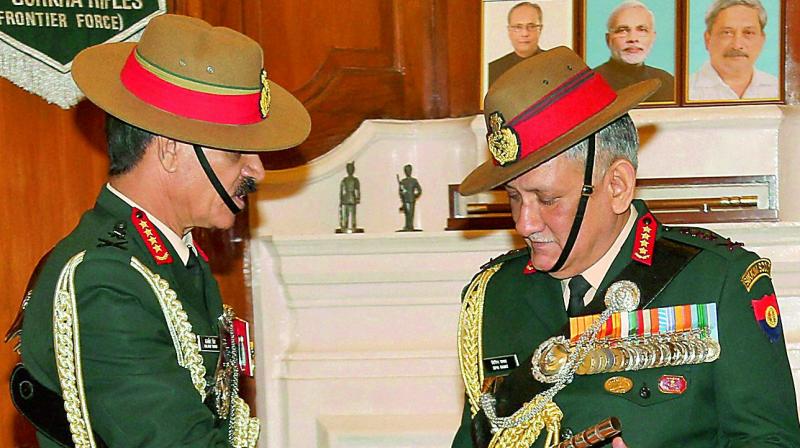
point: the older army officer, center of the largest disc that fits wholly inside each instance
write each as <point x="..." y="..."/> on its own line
<point x="125" y="338"/>
<point x="687" y="349"/>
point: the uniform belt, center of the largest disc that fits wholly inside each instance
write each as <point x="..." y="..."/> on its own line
<point x="42" y="407"/>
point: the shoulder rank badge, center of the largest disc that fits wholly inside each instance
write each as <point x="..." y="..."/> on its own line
<point x="757" y="269"/>
<point x="645" y="240"/>
<point x="768" y="316"/>
<point x="150" y="237"/>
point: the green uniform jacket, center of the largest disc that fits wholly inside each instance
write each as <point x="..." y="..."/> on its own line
<point x="137" y="394"/>
<point x="743" y="399"/>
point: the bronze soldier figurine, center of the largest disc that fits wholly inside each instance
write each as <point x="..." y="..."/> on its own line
<point x="409" y="190"/>
<point x="349" y="197"/>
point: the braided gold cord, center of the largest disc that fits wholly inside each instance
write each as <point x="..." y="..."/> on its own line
<point x="183" y="338"/>
<point x="470" y="354"/>
<point x="244" y="429"/>
<point x="524" y="435"/>
<point x="66" y="343"/>
<point x="470" y="350"/>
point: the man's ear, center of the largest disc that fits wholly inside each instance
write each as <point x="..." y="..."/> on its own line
<point x="706" y="38"/>
<point x="167" y="151"/>
<point x="621" y="184"/>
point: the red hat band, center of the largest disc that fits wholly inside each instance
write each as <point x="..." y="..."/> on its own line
<point x="193" y="99"/>
<point x="574" y="101"/>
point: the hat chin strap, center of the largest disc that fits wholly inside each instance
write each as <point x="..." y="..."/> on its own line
<point x="226" y="198"/>
<point x="586" y="191"/>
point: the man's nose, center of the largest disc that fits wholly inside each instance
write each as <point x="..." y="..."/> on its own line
<point x="529" y="219"/>
<point x="253" y="167"/>
<point x="738" y="41"/>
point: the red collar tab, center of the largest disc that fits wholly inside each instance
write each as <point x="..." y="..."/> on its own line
<point x="529" y="269"/>
<point x="645" y="239"/>
<point x="193" y="99"/>
<point x="570" y="104"/>
<point x="200" y="251"/>
<point x="150" y="237"/>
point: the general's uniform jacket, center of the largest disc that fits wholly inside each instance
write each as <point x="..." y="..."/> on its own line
<point x="132" y="331"/>
<point x="743" y="399"/>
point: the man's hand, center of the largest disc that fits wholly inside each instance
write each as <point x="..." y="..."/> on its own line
<point x="618" y="443"/>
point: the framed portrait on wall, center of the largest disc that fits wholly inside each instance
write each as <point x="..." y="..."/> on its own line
<point x="630" y="41"/>
<point x="514" y="30"/>
<point x="734" y="53"/>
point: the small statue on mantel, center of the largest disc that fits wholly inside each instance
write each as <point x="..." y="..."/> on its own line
<point x="349" y="197"/>
<point x="409" y="190"/>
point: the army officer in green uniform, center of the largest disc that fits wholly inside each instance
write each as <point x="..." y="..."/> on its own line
<point x="121" y="334"/>
<point x="697" y="360"/>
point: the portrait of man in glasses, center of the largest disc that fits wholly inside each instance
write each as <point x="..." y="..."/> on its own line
<point x="524" y="30"/>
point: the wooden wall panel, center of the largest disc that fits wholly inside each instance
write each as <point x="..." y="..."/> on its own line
<point x="459" y="57"/>
<point x="360" y="59"/>
<point x="53" y="166"/>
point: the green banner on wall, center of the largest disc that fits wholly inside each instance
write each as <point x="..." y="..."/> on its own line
<point x="40" y="38"/>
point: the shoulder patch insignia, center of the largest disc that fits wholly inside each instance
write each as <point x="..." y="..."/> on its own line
<point x="757" y="269"/>
<point x="150" y="237"/>
<point x="768" y="316"/>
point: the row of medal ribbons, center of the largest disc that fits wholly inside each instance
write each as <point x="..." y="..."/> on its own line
<point x="651" y="322"/>
<point x="643" y="339"/>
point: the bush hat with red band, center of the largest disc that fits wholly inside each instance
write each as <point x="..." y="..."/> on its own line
<point x="195" y="83"/>
<point x="540" y="108"/>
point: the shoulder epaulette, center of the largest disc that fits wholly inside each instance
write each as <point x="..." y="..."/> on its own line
<point x="515" y="253"/>
<point x="704" y="239"/>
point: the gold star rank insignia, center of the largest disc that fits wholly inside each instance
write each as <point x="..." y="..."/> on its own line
<point x="150" y="238"/>
<point x="644" y="240"/>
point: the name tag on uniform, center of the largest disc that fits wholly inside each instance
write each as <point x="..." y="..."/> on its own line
<point x="208" y="343"/>
<point x="500" y="363"/>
